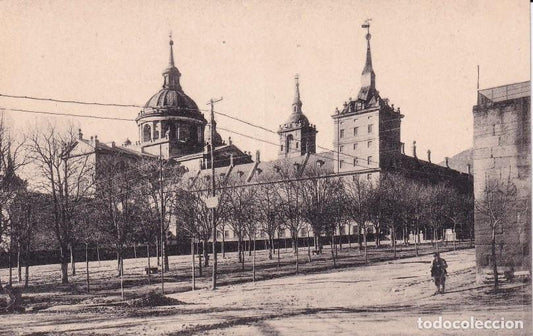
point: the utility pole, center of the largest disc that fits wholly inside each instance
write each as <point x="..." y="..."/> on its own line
<point x="161" y="220"/>
<point x="213" y="193"/>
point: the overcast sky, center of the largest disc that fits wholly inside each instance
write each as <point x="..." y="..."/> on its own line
<point x="424" y="54"/>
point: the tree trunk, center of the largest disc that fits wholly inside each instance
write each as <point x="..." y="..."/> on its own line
<point x="193" y="272"/>
<point x="148" y="260"/>
<point x="335" y="244"/>
<point x="417" y="238"/>
<point x="340" y="238"/>
<point x="164" y="252"/>
<point x="98" y="253"/>
<point x="199" y="259"/>
<point x="278" y="254"/>
<point x="378" y="238"/>
<point x="239" y="248"/>
<point x="19" y="264"/>
<point x="121" y="277"/>
<point x="359" y="242"/>
<point x="243" y="247"/>
<point x="296" y="252"/>
<point x="249" y="246"/>
<point x="135" y="250"/>
<point x="205" y="243"/>
<point x="157" y="251"/>
<point x="72" y="262"/>
<point x="223" y="243"/>
<point x="27" y="272"/>
<point x="393" y="237"/>
<point x="10" y="265"/>
<point x="27" y="264"/>
<point x="270" y="246"/>
<point x="350" y="230"/>
<point x="332" y="240"/>
<point x="87" y="265"/>
<point x="308" y="247"/>
<point x="366" y="246"/>
<point x="118" y="263"/>
<point x="253" y="263"/>
<point x="455" y="238"/>
<point x="64" y="263"/>
<point x="494" y="262"/>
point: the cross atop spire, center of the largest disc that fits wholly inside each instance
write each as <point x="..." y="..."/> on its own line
<point x="297" y="103"/>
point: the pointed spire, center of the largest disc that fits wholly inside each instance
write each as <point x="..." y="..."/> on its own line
<point x="368" y="77"/>
<point x="171" y="43"/>
<point x="297" y="103"/>
<point x="171" y="74"/>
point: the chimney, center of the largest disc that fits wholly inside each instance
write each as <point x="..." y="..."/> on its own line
<point x="414" y="149"/>
<point x="229" y="141"/>
<point x="113" y="144"/>
<point x="468" y="169"/>
<point x="96" y="140"/>
<point x="429" y="156"/>
<point x="257" y="156"/>
<point x="447" y="162"/>
<point x="80" y="134"/>
<point x="92" y="140"/>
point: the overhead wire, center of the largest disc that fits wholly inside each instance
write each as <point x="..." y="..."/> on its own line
<point x="139" y="106"/>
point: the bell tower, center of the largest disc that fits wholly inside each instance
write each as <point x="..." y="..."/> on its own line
<point x="297" y="136"/>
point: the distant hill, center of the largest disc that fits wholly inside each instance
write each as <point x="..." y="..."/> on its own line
<point x="460" y="161"/>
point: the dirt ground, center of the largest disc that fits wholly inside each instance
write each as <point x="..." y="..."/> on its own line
<point x="384" y="298"/>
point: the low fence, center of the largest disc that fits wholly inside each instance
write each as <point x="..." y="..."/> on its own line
<point x="95" y="253"/>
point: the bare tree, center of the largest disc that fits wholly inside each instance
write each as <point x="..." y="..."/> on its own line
<point x="289" y="192"/>
<point x="267" y="210"/>
<point x="358" y="198"/>
<point x="157" y="184"/>
<point x="496" y="207"/>
<point x="241" y="209"/>
<point x="458" y="209"/>
<point x="114" y="208"/>
<point x="67" y="175"/>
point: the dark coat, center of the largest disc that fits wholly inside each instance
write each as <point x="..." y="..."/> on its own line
<point x="438" y="267"/>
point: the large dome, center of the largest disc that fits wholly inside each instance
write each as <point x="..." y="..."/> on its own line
<point x="297" y="118"/>
<point x="171" y="100"/>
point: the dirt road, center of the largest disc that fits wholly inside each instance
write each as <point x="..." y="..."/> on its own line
<point x="382" y="299"/>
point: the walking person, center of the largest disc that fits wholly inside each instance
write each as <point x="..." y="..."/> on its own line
<point x="438" y="272"/>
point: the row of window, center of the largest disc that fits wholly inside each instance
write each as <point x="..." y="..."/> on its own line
<point x="370" y="129"/>
<point x="356" y="146"/>
<point x="356" y="162"/>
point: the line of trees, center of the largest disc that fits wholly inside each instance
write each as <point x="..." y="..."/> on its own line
<point x="117" y="200"/>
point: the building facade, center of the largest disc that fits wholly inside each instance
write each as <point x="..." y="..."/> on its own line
<point x="367" y="143"/>
<point x="502" y="152"/>
<point x="367" y="129"/>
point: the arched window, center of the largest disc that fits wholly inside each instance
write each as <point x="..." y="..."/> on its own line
<point x="147" y="133"/>
<point x="156" y="131"/>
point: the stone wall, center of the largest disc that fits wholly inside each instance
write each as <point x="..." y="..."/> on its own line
<point x="502" y="151"/>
